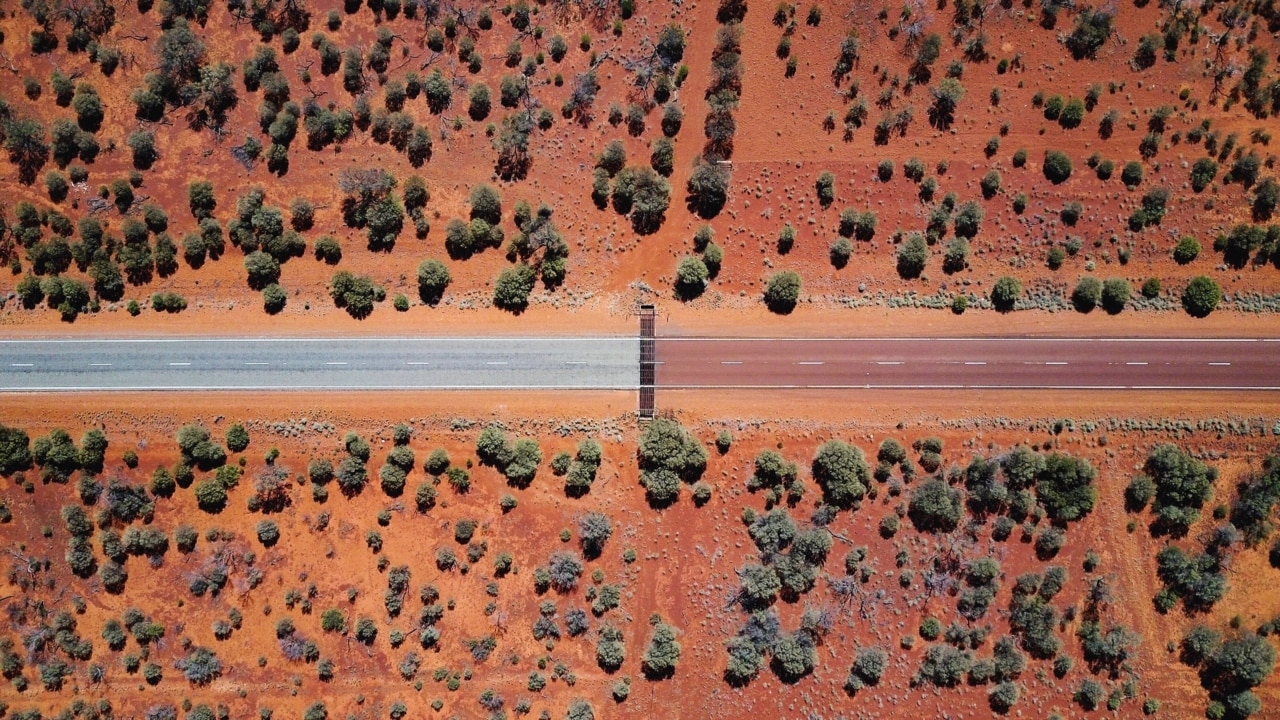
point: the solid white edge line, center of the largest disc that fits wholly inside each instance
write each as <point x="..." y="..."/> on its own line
<point x="310" y="388"/>
<point x="873" y="386"/>
<point x="629" y="388"/>
<point x="351" y="339"/>
<point x="617" y="337"/>
<point x="996" y="338"/>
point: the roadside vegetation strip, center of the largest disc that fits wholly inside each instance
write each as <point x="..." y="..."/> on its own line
<point x="872" y="505"/>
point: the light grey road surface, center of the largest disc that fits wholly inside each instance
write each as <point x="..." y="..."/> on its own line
<point x="565" y="363"/>
<point x="320" y="364"/>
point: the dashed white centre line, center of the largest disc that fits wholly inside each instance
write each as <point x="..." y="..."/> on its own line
<point x="1055" y="362"/>
<point x="811" y="362"/>
<point x="730" y="362"/>
<point x="974" y="362"/>
<point x="99" y="364"/>
<point x="1220" y="364"/>
<point x="889" y="362"/>
<point x="575" y="362"/>
<point x="1135" y="363"/>
<point x="179" y="364"/>
<point x="335" y="363"/>
<point x="411" y="362"/>
<point x="20" y="364"/>
<point x="496" y="362"/>
<point x="255" y="363"/>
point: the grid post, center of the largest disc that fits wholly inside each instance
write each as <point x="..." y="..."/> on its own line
<point x="648" y="361"/>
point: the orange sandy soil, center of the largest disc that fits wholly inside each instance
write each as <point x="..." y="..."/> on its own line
<point x="779" y="149"/>
<point x="674" y="320"/>
<point x="687" y="555"/>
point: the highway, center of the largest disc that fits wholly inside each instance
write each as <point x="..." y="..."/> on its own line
<point x="320" y="364"/>
<point x="568" y="363"/>
<point x="970" y="363"/>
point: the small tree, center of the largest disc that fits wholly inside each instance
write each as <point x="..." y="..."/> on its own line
<point x="782" y="292"/>
<point x="691" y="277"/>
<point x="433" y="279"/>
<point x="1006" y="293"/>
<point x="513" y="286"/>
<point x="1201" y="296"/>
<point x="912" y="256"/>
<point x="262" y="269"/>
<point x="841" y="470"/>
<point x="1057" y="166"/>
<point x="237" y="438"/>
<point x="593" y="530"/>
<point x="946" y="96"/>
<point x="935" y="507"/>
<point x="1065" y="487"/>
<point x="486" y="204"/>
<point x="663" y="652"/>
<point x="1115" y="295"/>
<point x="826" y="188"/>
<point x="1087" y="294"/>
<point x="708" y="188"/>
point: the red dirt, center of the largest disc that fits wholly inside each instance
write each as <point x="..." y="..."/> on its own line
<point x="687" y="554"/>
<point x="780" y="148"/>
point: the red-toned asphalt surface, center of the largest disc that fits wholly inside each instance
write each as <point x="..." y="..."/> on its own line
<point x="970" y="363"/>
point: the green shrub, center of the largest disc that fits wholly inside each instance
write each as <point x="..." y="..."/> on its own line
<point x="990" y="183"/>
<point x="691" y="278"/>
<point x="668" y="454"/>
<point x="1131" y="175"/>
<point x="1065" y="487"/>
<point x="1203" y="171"/>
<point x="782" y="292"/>
<point x="1187" y="250"/>
<point x="1151" y="288"/>
<point x="840" y="469"/>
<point x="1087" y="294"/>
<point x="274" y="298"/>
<point x="935" y="507"/>
<point x="169" y="302"/>
<point x="840" y="252"/>
<point x="663" y="652"/>
<point x="1115" y="295"/>
<point x="1201" y="296"/>
<point x="1006" y="293"/>
<point x="268" y="533"/>
<point x="1057" y="166"/>
<point x="826" y="188"/>
<point x="912" y="256"/>
<point x="513" y="286"/>
<point x="328" y="249"/>
<point x="354" y="293"/>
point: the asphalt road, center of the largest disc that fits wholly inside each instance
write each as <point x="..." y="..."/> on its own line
<point x="320" y="364"/>
<point x="970" y="363"/>
<point x="613" y="363"/>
